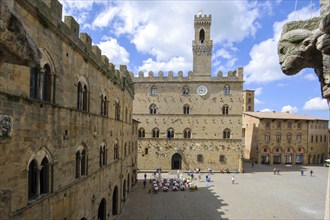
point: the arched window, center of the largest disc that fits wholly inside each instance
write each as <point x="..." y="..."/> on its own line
<point x="115" y="151"/>
<point x="153" y="109"/>
<point x="82" y="95"/>
<point x="153" y="90"/>
<point x="155" y="133"/>
<point x="81" y="162"/>
<point x="202" y="35"/>
<point x="185" y="90"/>
<point x="33" y="179"/>
<point x="78" y="164"/>
<point x="105" y="156"/>
<point x="170" y="133"/>
<point x="38" y="175"/>
<point x="187" y="133"/>
<point x="41" y="83"/>
<point x="141" y="133"/>
<point x="85" y="98"/>
<point x="186" y="109"/>
<point x="227" y="90"/>
<point x="104" y="107"/>
<point x="79" y="96"/>
<point x="44" y="176"/>
<point x="225" y="109"/>
<point x="117" y="110"/>
<point x="47" y="84"/>
<point x="226" y="134"/>
<point x="101" y="156"/>
<point x="125" y="150"/>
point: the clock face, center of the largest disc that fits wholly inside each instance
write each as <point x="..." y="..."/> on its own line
<point x="202" y="90"/>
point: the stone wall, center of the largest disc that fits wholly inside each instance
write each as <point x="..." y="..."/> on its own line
<point x="205" y="119"/>
<point x="58" y="129"/>
<point x="314" y="152"/>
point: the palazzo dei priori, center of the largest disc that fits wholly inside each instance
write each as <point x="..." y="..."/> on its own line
<point x="193" y="121"/>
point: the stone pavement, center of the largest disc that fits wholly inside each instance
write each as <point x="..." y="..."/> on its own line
<point x="256" y="194"/>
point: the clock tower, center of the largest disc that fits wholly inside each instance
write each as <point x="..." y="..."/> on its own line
<point x="202" y="46"/>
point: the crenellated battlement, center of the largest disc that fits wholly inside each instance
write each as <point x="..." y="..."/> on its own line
<point x="49" y="14"/>
<point x="203" y="19"/>
<point x="236" y="75"/>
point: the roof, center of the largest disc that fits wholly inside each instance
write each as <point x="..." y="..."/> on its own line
<point x="281" y="115"/>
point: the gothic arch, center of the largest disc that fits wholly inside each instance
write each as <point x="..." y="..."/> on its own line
<point x="115" y="198"/>
<point x="201" y="35"/>
<point x="39" y="155"/>
<point x="102" y="211"/>
<point x="47" y="59"/>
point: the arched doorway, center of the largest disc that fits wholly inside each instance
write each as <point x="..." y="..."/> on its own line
<point x="115" y="201"/>
<point x="102" y="213"/>
<point x="176" y="162"/>
<point x="124" y="191"/>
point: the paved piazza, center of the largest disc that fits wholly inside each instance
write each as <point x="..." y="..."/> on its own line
<point x="256" y="194"/>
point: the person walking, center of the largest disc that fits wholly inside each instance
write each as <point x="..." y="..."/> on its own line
<point x="311" y="172"/>
<point x="302" y="172"/>
<point x="233" y="180"/>
<point x="207" y="180"/>
<point x="144" y="184"/>
<point x="145" y="176"/>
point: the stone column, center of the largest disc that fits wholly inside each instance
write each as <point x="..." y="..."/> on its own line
<point x="240" y="164"/>
<point x="271" y="158"/>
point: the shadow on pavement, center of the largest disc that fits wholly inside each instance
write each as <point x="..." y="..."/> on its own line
<point x="201" y="204"/>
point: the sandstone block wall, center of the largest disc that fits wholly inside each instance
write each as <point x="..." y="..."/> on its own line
<point x="57" y="128"/>
<point x="205" y="119"/>
<point x="256" y="145"/>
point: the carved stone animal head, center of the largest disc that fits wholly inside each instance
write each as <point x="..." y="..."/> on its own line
<point x="297" y="50"/>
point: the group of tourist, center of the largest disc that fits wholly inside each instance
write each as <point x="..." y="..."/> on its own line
<point x="173" y="184"/>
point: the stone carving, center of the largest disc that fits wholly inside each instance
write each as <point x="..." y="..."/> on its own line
<point x="306" y="44"/>
<point x="16" y="46"/>
<point x="6" y="124"/>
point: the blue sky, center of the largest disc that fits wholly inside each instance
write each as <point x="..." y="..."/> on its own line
<point x="157" y="36"/>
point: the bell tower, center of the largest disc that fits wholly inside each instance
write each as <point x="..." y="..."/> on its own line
<point x="202" y="46"/>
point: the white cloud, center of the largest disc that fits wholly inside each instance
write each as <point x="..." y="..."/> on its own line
<point x="264" y="64"/>
<point x="153" y="29"/>
<point x="266" y="110"/>
<point x="258" y="91"/>
<point x="289" y="108"/>
<point x="116" y="53"/>
<point x="316" y="103"/>
<point x="257" y="101"/>
<point x="310" y="76"/>
<point x="174" y="64"/>
<point x="80" y="10"/>
<point x="223" y="53"/>
<point x="104" y="18"/>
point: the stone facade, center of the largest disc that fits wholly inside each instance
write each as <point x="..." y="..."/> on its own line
<point x="192" y="121"/>
<point x="248" y="99"/>
<point x="285" y="138"/>
<point x="68" y="141"/>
